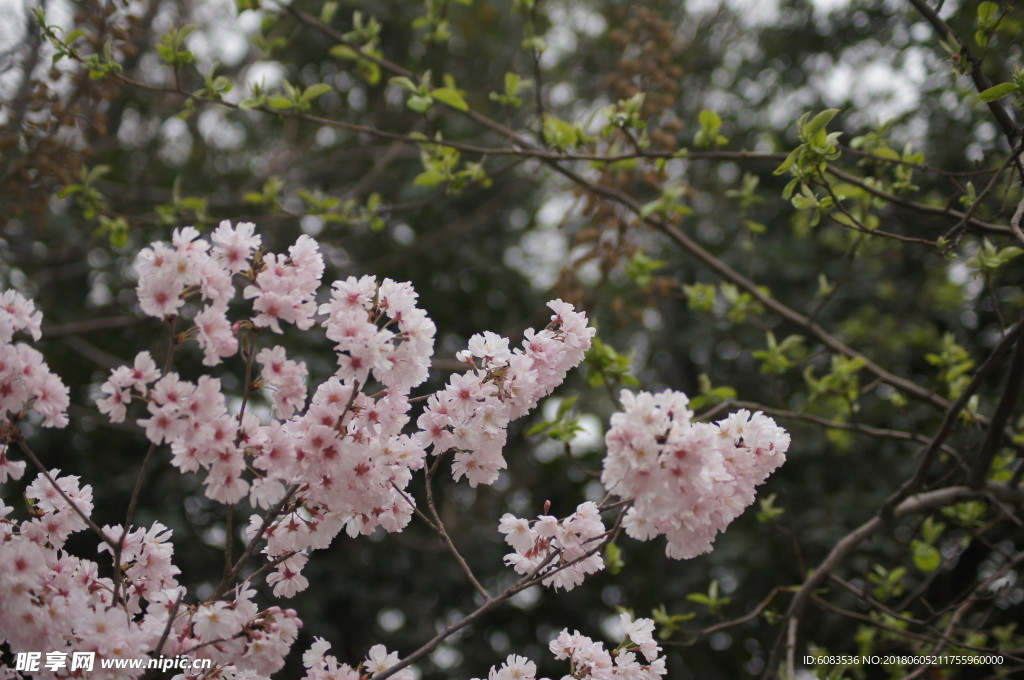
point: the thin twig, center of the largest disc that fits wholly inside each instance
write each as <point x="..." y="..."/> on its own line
<point x="30" y="454"/>
<point x="786" y="645"/>
<point x="438" y="526"/>
<point x="228" y="578"/>
<point x="951" y="416"/>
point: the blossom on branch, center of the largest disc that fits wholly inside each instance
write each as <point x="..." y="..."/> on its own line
<point x="567" y="549"/>
<point x="471" y="413"/>
<point x="687" y="481"/>
<point x="26" y="382"/>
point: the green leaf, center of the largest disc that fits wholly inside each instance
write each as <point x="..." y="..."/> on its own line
<point x="818" y="123"/>
<point x="710" y="124"/>
<point x="429" y="178"/>
<point x="887" y="153"/>
<point x="69" y="190"/>
<point x="713" y="602"/>
<point x="515" y="84"/>
<point x="345" y="52"/>
<point x="404" y="83"/>
<point x="561" y="134"/>
<point x="119" y="233"/>
<point x="96" y="173"/>
<point x="451" y="97"/>
<point x="314" y="91"/>
<point x="602" y="364"/>
<point x="280" y="103"/>
<point x="328" y="11"/>
<point x="767" y="511"/>
<point x="419" y="103"/>
<point x="539" y="427"/>
<point x="986" y="11"/>
<point x="788" y="163"/>
<point x="640" y="269"/>
<point x="668" y="623"/>
<point x="997" y="92"/>
<point x="926" y="556"/>
<point x="710" y="120"/>
<point x="565" y="405"/>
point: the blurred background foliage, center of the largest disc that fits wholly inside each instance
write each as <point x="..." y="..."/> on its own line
<point x="122" y="138"/>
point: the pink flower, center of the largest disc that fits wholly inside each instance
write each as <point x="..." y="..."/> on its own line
<point x="160" y="294"/>
<point x="379" y="660"/>
<point x="215" y="335"/>
<point x="472" y="412"/>
<point x="164" y="424"/>
<point x="26" y="382"/>
<point x="143" y="372"/>
<point x="216" y="621"/>
<point x="687" y="480"/>
<point x="566" y="550"/>
<point x="18" y="313"/>
<point x="285" y="289"/>
<point x="287" y="579"/>
<point x="286" y="378"/>
<point x="233" y="246"/>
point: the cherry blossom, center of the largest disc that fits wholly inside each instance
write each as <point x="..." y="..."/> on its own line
<point x="635" y="658"/>
<point x="26" y="382"/>
<point x="567" y="549"/>
<point x="470" y="415"/>
<point x="339" y="461"/>
<point x="688" y="481"/>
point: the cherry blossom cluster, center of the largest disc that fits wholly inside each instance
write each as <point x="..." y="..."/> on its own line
<point x="378" y="329"/>
<point x="471" y="413"/>
<point x="168" y="272"/>
<point x="568" y="549"/>
<point x="344" y="458"/>
<point x="688" y="481"/>
<point x="282" y="287"/>
<point x="49" y="597"/>
<point x="241" y="641"/>
<point x="343" y="462"/>
<point x="351" y="465"/>
<point x="26" y="383"/>
<point x="323" y="666"/>
<point x="636" y="658"/>
<point x="192" y="417"/>
<point x="57" y="602"/>
<point x="345" y="455"/>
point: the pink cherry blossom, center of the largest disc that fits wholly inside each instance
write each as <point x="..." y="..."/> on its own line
<point x="568" y="550"/>
<point x="687" y="481"/>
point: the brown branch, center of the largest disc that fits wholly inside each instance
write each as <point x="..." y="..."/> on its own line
<point x="858" y="226"/>
<point x="30" y="454"/>
<point x="952" y="414"/>
<point x="980" y="81"/>
<point x="133" y="502"/>
<point x="527" y="581"/>
<point x="834" y="425"/>
<point x="954" y="233"/>
<point x="749" y="616"/>
<point x="960" y="611"/>
<point x="229" y="578"/>
<point x="90" y="326"/>
<point x="786" y="644"/>
<point x="915" y="205"/>
<point x="1001" y="416"/>
<point x="438" y="526"/>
